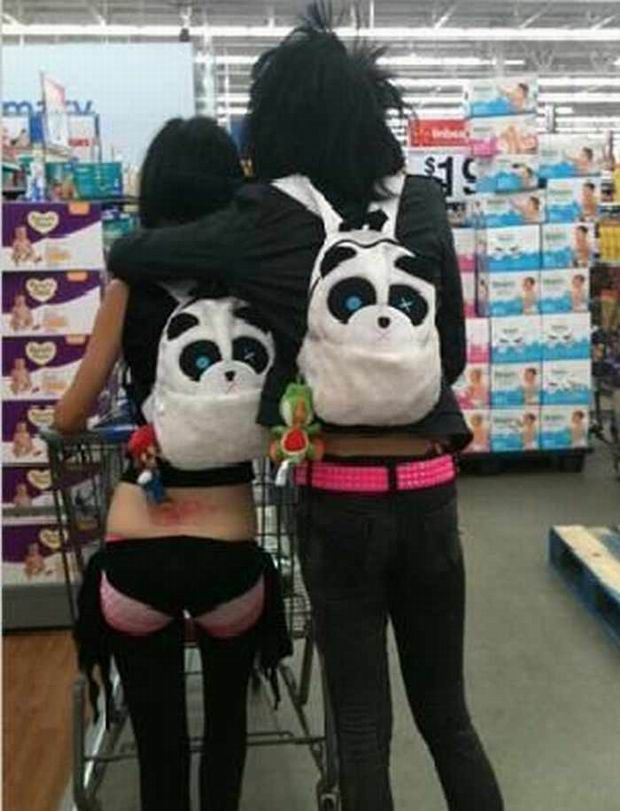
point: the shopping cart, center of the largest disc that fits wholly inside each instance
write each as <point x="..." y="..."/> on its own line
<point x="85" y="470"/>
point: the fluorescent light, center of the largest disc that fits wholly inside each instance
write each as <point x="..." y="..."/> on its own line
<point x="579" y="98"/>
<point x="565" y="110"/>
<point x="399" y="34"/>
<point x="429" y="82"/>
<point x="227" y="59"/>
<point x="430" y="99"/>
<point x="415" y="60"/>
<point x="585" y="119"/>
<point x="439" y="112"/>
<point x="579" y="81"/>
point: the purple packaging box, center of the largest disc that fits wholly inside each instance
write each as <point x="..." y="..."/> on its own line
<point x="26" y="488"/>
<point x="31" y="552"/>
<point x="51" y="236"/>
<point x="40" y="368"/>
<point x="56" y="303"/>
<point x="21" y="423"/>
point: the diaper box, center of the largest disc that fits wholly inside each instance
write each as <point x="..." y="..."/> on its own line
<point x="465" y="246"/>
<point x="511" y="293"/>
<point x="26" y="490"/>
<point x="31" y="551"/>
<point x="571" y="199"/>
<point x="515" y="384"/>
<point x="468" y="283"/>
<point x="501" y="96"/>
<point x="84" y="181"/>
<point x="567" y="245"/>
<point x="515" y="429"/>
<point x="507" y="173"/>
<point x="478" y="337"/>
<point x="566" y="290"/>
<point x="564" y="427"/>
<point x="567" y="382"/>
<point x="57" y="303"/>
<point x="40" y="368"/>
<point x="506" y="135"/>
<point x="21" y="423"/>
<point x="516" y="339"/>
<point x="479" y="423"/>
<point x="505" y="210"/>
<point x="472" y="387"/>
<point x="51" y="236"/>
<point x="508" y="249"/>
<point x="566" y="155"/>
<point x="566" y="336"/>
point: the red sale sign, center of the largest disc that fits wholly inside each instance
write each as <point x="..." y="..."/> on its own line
<point x="437" y="132"/>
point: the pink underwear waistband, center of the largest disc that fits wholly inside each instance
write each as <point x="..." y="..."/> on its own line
<point x="380" y="478"/>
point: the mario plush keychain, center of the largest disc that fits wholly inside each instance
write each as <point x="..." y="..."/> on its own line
<point x="299" y="438"/>
<point x="144" y="452"/>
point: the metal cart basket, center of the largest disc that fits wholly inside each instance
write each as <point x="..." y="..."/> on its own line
<point x="85" y="470"/>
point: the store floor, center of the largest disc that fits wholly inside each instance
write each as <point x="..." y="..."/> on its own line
<point x="544" y="678"/>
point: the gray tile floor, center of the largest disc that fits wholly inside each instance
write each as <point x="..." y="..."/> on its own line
<point x="544" y="678"/>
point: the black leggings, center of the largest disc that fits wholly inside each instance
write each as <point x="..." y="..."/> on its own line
<point x="367" y="558"/>
<point x="152" y="674"/>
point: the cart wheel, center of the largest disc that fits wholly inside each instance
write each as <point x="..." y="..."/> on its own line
<point x="574" y="463"/>
<point x="329" y="802"/>
<point x="327" y="799"/>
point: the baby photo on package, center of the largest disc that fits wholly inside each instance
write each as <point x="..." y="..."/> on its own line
<point x="58" y="303"/>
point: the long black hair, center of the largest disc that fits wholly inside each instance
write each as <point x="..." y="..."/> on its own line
<point x="319" y="108"/>
<point x="191" y="169"/>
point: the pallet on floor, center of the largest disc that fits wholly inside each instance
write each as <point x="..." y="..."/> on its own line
<point x="588" y="560"/>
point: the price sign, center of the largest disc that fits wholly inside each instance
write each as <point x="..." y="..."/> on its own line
<point x="456" y="171"/>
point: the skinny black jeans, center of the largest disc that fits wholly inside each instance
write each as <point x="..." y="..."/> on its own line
<point x="152" y="673"/>
<point x="366" y="559"/>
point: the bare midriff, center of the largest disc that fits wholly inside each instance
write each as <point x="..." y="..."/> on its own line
<point x="388" y="445"/>
<point x="222" y="513"/>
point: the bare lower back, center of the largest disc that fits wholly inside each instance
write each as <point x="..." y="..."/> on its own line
<point x="223" y="513"/>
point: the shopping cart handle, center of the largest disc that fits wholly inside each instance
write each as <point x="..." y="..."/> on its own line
<point x="113" y="433"/>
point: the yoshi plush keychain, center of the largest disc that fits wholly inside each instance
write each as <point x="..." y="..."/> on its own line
<point x="298" y="439"/>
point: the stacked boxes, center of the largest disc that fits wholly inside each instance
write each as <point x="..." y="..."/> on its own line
<point x="473" y="389"/>
<point x="465" y="246"/>
<point x="534" y="247"/>
<point x="52" y="262"/>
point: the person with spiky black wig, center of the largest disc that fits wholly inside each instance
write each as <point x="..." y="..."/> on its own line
<point x="378" y="524"/>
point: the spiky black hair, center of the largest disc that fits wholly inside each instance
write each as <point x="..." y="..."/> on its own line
<point x="319" y="108"/>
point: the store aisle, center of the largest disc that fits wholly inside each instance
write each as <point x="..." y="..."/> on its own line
<point x="544" y="678"/>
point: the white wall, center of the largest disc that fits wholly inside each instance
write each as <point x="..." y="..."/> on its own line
<point x="133" y="87"/>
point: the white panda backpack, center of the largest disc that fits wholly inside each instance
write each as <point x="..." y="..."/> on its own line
<point x="214" y="355"/>
<point x="371" y="354"/>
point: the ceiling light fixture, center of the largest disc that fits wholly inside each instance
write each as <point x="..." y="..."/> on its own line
<point x="579" y="98"/>
<point x="271" y="32"/>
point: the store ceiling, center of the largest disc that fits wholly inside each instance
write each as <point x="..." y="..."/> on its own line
<point x="444" y="53"/>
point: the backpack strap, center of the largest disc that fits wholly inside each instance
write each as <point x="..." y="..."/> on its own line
<point x="394" y="185"/>
<point x="301" y="189"/>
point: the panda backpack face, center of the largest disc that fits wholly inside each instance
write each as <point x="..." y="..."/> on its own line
<point x="371" y="353"/>
<point x="214" y="355"/>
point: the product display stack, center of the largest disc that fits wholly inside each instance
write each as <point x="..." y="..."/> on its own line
<point x="52" y="263"/>
<point x="527" y="384"/>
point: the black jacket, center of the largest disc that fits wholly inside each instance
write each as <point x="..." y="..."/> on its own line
<point x="263" y="247"/>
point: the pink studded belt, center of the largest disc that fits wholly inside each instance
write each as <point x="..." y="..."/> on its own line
<point x="379" y="478"/>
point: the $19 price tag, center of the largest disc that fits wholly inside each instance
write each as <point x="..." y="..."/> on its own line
<point x="456" y="171"/>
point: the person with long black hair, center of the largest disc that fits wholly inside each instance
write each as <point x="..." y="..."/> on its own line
<point x="378" y="518"/>
<point x="193" y="552"/>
